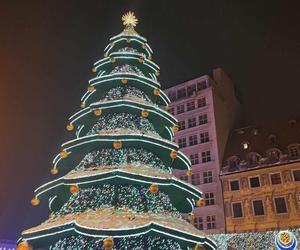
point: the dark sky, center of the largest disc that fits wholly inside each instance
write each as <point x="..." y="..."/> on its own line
<point x="48" y="47"/>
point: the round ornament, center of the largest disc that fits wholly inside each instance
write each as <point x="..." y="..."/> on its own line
<point x="112" y="60"/>
<point x="175" y="128"/>
<point x="145" y="113"/>
<point x="173" y="154"/>
<point x="124" y="81"/>
<point x="117" y="144"/>
<point x="54" y="170"/>
<point x="90" y="88"/>
<point x="128" y="40"/>
<point x="144" y="45"/>
<point x="141" y="60"/>
<point x="82" y="105"/>
<point x="153" y="188"/>
<point x="94" y="69"/>
<point x="108" y="243"/>
<point x="156" y="91"/>
<point x="97" y="111"/>
<point x="191" y="216"/>
<point x="105" y="55"/>
<point x="150" y="57"/>
<point x="70" y="127"/>
<point x="63" y="154"/>
<point x="23" y="246"/>
<point x="35" y="201"/>
<point x="200" y="202"/>
<point x="189" y="172"/>
<point x="74" y="189"/>
<point x="157" y="73"/>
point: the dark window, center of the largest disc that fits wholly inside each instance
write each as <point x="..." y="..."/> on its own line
<point x="204" y="137"/>
<point x="237" y="210"/>
<point x="182" y="142"/>
<point x="201" y="85"/>
<point x="181" y="93"/>
<point x="205" y="156"/>
<point x="211" y="222"/>
<point x="192" y="122"/>
<point x="203" y="119"/>
<point x="198" y="223"/>
<point x="258" y="207"/>
<point x="275" y="178"/>
<point x="209" y="199"/>
<point x="191" y="89"/>
<point x="234" y="185"/>
<point x="296" y="174"/>
<point x="181" y="125"/>
<point x="254" y="182"/>
<point x="171" y="111"/>
<point x="207" y="177"/>
<point x="194" y="159"/>
<point x="193" y="140"/>
<point x="280" y="205"/>
<point x="196" y="179"/>
<point x="201" y="102"/>
<point x="180" y="109"/>
<point x="190" y="106"/>
<point x="172" y="95"/>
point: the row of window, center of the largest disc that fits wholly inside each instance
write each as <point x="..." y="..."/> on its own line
<point x="201" y="102"/>
<point x="254" y="181"/>
<point x="192" y="122"/>
<point x="258" y="208"/>
<point x="210" y="222"/>
<point x="196" y="178"/>
<point x="193" y="140"/>
<point x="187" y="91"/>
<point x="205" y="157"/>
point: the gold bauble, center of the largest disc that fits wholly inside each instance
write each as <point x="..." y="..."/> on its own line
<point x="23" y="246"/>
<point x="74" y="189"/>
<point x="141" y="60"/>
<point x="82" y="105"/>
<point x="94" y="69"/>
<point x="145" y="113"/>
<point x="200" y="202"/>
<point x="128" y="40"/>
<point x="70" y="127"/>
<point x="157" y="73"/>
<point x="90" y="88"/>
<point x="150" y="57"/>
<point x="144" y="45"/>
<point x="63" y="154"/>
<point x="189" y="172"/>
<point x="105" y="55"/>
<point x="124" y="81"/>
<point x="173" y="154"/>
<point x="54" y="170"/>
<point x="35" y="201"/>
<point x="191" y="216"/>
<point x="199" y="247"/>
<point x="117" y="144"/>
<point x="112" y="60"/>
<point x="97" y="111"/>
<point x="108" y="243"/>
<point x="175" y="128"/>
<point x="153" y="188"/>
<point x="156" y="91"/>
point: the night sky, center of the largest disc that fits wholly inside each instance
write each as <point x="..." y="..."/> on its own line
<point x="47" y="49"/>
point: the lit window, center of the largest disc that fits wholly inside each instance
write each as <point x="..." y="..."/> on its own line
<point x="201" y="102"/>
<point x="258" y="207"/>
<point x="209" y="199"/>
<point x="190" y="106"/>
<point x="181" y="125"/>
<point x="205" y="156"/>
<point x="196" y="179"/>
<point x="204" y="137"/>
<point x="203" y="119"/>
<point x="182" y="142"/>
<point x="294" y="150"/>
<point x="280" y="205"/>
<point x="211" y="222"/>
<point x="192" y="122"/>
<point x="254" y="182"/>
<point x="180" y="109"/>
<point x="193" y="140"/>
<point x="194" y="159"/>
<point x="181" y="93"/>
<point x="237" y="210"/>
<point x="296" y="174"/>
<point x="201" y="85"/>
<point x="234" y="185"/>
<point x="207" y="177"/>
<point x="275" y="178"/>
<point x="198" y="223"/>
<point x="191" y="89"/>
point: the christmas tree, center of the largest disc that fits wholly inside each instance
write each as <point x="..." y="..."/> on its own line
<point x="116" y="189"/>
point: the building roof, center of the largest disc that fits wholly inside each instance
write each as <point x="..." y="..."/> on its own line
<point x="259" y="141"/>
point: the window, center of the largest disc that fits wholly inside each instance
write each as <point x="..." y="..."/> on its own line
<point x="275" y="178"/>
<point x="202" y="119"/>
<point x="296" y="174"/>
<point x="191" y="89"/>
<point x="254" y="182"/>
<point x="181" y="93"/>
<point x="182" y="142"/>
<point x="193" y="140"/>
<point x="190" y="106"/>
<point x="280" y="205"/>
<point x="237" y="210"/>
<point x="207" y="177"/>
<point x="172" y="95"/>
<point x="198" y="223"/>
<point x="201" y="102"/>
<point x="204" y="137"/>
<point x="192" y="122"/>
<point x="194" y="159"/>
<point x="205" y="156"/>
<point x="209" y="199"/>
<point x="171" y="111"/>
<point x="184" y="178"/>
<point x="211" y="222"/>
<point x="181" y="125"/>
<point x="294" y="150"/>
<point x="201" y="85"/>
<point x="180" y="109"/>
<point x="196" y="179"/>
<point x="234" y="185"/>
<point x="233" y="162"/>
<point x="258" y="207"/>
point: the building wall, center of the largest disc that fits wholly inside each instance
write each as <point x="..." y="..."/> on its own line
<point x="266" y="194"/>
<point x="209" y="218"/>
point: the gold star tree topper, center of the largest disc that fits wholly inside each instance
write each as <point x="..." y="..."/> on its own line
<point x="129" y="19"/>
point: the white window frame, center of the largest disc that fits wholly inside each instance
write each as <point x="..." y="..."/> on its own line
<point x="286" y="205"/>
<point x="254" y="177"/>
<point x="239" y="185"/>
<point x="270" y="179"/>
<point x="232" y="213"/>
<point x="293" y="170"/>
<point x="263" y="204"/>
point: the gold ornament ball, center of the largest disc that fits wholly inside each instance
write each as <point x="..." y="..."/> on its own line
<point x="157" y="73"/>
<point x="156" y="91"/>
<point x="74" y="189"/>
<point x="108" y="243"/>
<point x="117" y="144"/>
<point x="144" y="45"/>
<point x="23" y="246"/>
<point x="63" y="154"/>
<point x="70" y="127"/>
<point x="189" y="172"/>
<point x="54" y="170"/>
<point x="150" y="57"/>
<point x="94" y="69"/>
<point x="112" y="60"/>
<point x="90" y="88"/>
<point x="124" y="81"/>
<point x="173" y="154"/>
<point x="141" y="60"/>
<point x="153" y="188"/>
<point x="82" y="105"/>
<point x="200" y="202"/>
<point x="105" y="55"/>
<point x="199" y="247"/>
<point x="128" y="40"/>
<point x="191" y="216"/>
<point x="145" y="113"/>
<point x="35" y="201"/>
<point x="175" y="128"/>
<point x="97" y="112"/>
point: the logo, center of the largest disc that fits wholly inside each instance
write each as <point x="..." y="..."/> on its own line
<point x="285" y="240"/>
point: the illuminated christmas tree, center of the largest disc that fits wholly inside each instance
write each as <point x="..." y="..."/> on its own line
<point x="116" y="189"/>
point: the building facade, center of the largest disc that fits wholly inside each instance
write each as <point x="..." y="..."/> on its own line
<point x="206" y="109"/>
<point x="261" y="178"/>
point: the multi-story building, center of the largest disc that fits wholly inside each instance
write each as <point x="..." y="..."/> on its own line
<point x="8" y="245"/>
<point x="206" y="109"/>
<point x="261" y="178"/>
